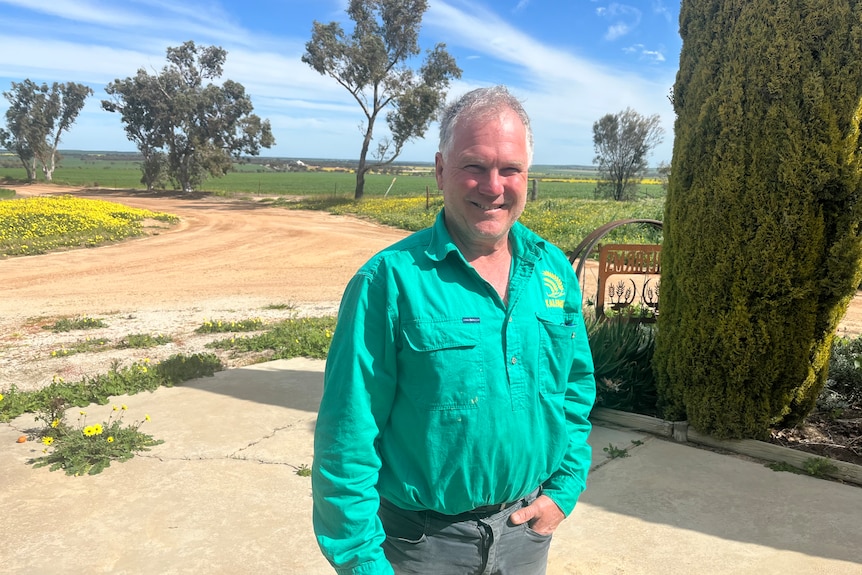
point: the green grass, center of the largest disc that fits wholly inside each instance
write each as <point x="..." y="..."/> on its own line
<point x="118" y="171"/>
<point x="143" y="341"/>
<point x="87" y="345"/>
<point x="225" y="326"/>
<point x="562" y="221"/>
<point x="69" y="324"/>
<point x="299" y="337"/>
<point x="131" y="379"/>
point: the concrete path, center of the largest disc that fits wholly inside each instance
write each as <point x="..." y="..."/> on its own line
<point x="222" y="496"/>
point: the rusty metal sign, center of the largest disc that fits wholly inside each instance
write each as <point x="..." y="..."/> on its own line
<point x="629" y="277"/>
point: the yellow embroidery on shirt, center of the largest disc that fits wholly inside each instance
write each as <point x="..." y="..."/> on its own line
<point x="554" y="289"/>
<point x="554" y="285"/>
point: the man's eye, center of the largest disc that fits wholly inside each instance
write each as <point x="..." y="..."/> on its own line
<point x="474" y="169"/>
<point x="507" y="172"/>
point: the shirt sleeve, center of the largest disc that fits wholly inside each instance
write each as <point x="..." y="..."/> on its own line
<point x="358" y="389"/>
<point x="569" y="481"/>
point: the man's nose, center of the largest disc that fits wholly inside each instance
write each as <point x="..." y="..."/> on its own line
<point x="493" y="184"/>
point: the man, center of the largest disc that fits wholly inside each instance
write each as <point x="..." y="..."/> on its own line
<point x="452" y="432"/>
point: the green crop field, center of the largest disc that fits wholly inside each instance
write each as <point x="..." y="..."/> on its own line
<point x="121" y="170"/>
<point x="565" y="210"/>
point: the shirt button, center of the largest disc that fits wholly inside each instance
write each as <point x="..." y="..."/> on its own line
<point x="514" y="360"/>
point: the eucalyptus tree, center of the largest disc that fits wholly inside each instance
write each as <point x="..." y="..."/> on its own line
<point x="37" y="117"/>
<point x="623" y="143"/>
<point x="762" y="247"/>
<point x="185" y="127"/>
<point x="372" y="64"/>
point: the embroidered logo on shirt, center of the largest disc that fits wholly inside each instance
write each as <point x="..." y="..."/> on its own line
<point x="554" y="289"/>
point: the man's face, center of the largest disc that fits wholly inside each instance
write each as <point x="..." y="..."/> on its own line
<point x="484" y="181"/>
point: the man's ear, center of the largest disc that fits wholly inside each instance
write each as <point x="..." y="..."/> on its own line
<point x="438" y="169"/>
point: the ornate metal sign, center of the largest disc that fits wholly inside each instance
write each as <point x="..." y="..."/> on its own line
<point x="629" y="276"/>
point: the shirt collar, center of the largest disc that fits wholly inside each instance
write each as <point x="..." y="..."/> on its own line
<point x="525" y="244"/>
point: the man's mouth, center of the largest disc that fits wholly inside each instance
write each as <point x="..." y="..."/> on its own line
<point x="488" y="208"/>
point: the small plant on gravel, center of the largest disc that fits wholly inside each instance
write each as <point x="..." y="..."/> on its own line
<point x="280" y="306"/>
<point x="68" y="324"/>
<point x="224" y="326"/>
<point x="143" y="340"/>
<point x="813" y="466"/>
<point x="298" y="337"/>
<point x="83" y="346"/>
<point x="615" y="452"/>
<point x="303" y="470"/>
<point x="818" y="467"/>
<point x="89" y="449"/>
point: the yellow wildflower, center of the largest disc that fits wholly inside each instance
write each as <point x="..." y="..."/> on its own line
<point x="89" y="431"/>
<point x="48" y="440"/>
<point x="55" y="423"/>
<point x="110" y="439"/>
<point x="1" y="397"/>
<point x="147" y="417"/>
<point x="123" y="407"/>
<point x="97" y="429"/>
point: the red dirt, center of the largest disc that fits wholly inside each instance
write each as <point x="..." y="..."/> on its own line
<point x="221" y="250"/>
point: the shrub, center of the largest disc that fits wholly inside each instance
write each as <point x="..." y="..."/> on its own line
<point x="761" y="250"/>
<point x="622" y="354"/>
<point x="844" y="383"/>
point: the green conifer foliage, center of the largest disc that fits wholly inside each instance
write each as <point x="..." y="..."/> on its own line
<point x="762" y="247"/>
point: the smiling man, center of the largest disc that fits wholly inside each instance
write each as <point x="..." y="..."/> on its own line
<point x="452" y="432"/>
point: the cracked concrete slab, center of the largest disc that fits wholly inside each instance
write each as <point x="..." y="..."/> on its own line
<point x="222" y="495"/>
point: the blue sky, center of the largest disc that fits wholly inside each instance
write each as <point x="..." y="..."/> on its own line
<point x="570" y="61"/>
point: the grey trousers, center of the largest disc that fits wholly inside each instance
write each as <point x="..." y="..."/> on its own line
<point x="428" y="543"/>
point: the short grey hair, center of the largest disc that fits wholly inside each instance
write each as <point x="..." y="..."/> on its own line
<point x="477" y="104"/>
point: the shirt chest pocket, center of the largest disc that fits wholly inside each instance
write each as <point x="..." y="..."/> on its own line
<point x="441" y="365"/>
<point x="557" y="337"/>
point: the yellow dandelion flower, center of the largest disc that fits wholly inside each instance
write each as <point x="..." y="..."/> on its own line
<point x="48" y="440"/>
<point x="123" y="407"/>
<point x="110" y="439"/>
<point x="1" y="397"/>
<point x="82" y="412"/>
<point x="115" y="408"/>
<point x="147" y="417"/>
<point x="89" y="431"/>
<point x="55" y="423"/>
<point x="97" y="429"/>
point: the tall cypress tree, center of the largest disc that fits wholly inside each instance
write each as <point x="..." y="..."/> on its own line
<point x="762" y="246"/>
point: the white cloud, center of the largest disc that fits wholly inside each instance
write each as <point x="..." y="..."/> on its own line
<point x="626" y="17"/>
<point x="310" y="113"/>
<point x="618" y="30"/>
<point x="563" y="93"/>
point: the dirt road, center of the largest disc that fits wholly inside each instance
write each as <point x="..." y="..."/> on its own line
<point x="223" y="250"/>
<point x="227" y="259"/>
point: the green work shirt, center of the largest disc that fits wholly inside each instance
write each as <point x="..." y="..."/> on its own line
<point x="438" y="395"/>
